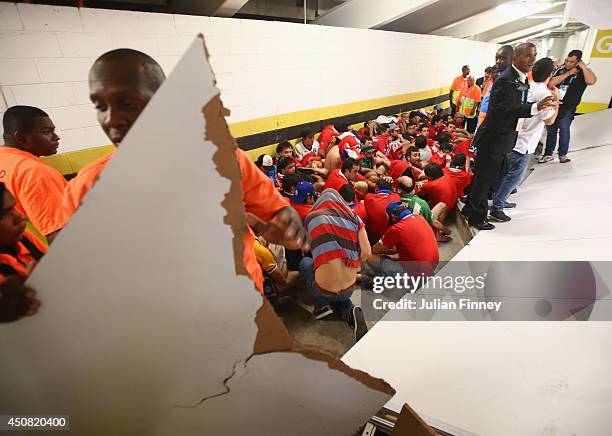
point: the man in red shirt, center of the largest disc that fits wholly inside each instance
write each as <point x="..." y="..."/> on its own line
<point x="464" y="147"/>
<point x="438" y="189"/>
<point x="406" y="166"/>
<point x="441" y="155"/>
<point x="412" y="237"/>
<point x="376" y="205"/>
<point x="395" y="147"/>
<point x="459" y="172"/>
<point x="340" y="177"/>
<point x="437" y="126"/>
<point x="381" y="140"/>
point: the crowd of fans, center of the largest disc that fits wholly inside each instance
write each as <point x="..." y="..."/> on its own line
<point x="327" y="209"/>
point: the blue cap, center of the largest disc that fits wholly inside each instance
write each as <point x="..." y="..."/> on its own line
<point x="392" y="206"/>
<point x="438" y="107"/>
<point x="302" y="191"/>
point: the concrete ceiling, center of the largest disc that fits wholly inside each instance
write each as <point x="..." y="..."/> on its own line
<point x="482" y="20"/>
<point x="440" y="14"/>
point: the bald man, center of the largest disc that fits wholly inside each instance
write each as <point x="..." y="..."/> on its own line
<point x="121" y="84"/>
<point x="503" y="58"/>
<point x="498" y="133"/>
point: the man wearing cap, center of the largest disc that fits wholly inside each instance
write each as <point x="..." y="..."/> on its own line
<point x="266" y="164"/>
<point x="303" y="199"/>
<point x="410" y="236"/>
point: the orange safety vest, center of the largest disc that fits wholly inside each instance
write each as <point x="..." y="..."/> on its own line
<point x="19" y="259"/>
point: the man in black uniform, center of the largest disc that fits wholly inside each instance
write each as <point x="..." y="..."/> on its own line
<point x="498" y="132"/>
<point x="571" y="79"/>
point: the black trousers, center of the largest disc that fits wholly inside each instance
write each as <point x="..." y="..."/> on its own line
<point x="453" y="109"/>
<point x="471" y="124"/>
<point x="486" y="174"/>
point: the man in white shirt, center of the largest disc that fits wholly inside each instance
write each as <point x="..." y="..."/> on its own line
<point x="307" y="148"/>
<point x="527" y="141"/>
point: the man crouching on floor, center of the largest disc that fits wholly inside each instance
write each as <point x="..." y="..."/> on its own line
<point x="339" y="244"/>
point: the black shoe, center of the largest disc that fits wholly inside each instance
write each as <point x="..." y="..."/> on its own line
<point x="485" y="225"/>
<point x="514" y="191"/>
<point x="463" y="199"/>
<point x="508" y="205"/>
<point x="499" y="216"/>
<point x="357" y="322"/>
<point x="323" y="312"/>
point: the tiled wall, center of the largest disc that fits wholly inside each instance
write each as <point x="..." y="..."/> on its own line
<point x="263" y="68"/>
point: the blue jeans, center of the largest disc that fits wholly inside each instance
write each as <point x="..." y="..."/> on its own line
<point x="341" y="300"/>
<point x="516" y="165"/>
<point x="563" y="126"/>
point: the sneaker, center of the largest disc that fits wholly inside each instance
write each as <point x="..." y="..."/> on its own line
<point x="323" y="312"/>
<point x="499" y="216"/>
<point x="564" y="159"/>
<point x="357" y="322"/>
<point x="545" y="159"/>
<point x="508" y="205"/>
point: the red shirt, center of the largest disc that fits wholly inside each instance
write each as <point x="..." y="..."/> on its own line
<point x="326" y="135"/>
<point x="336" y="180"/>
<point x="441" y="190"/>
<point x="433" y="132"/>
<point x="395" y="150"/>
<point x="380" y="142"/>
<point x="461" y="178"/>
<point x="398" y="167"/>
<point x="360" y="211"/>
<point x="302" y="209"/>
<point x="376" y="211"/>
<point x="464" y="147"/>
<point x="438" y="157"/>
<point x="415" y="241"/>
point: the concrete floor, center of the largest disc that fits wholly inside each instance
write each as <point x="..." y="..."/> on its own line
<point x="333" y="335"/>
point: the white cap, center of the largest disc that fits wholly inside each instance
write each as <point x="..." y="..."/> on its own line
<point x="383" y="119"/>
<point x="267" y="161"/>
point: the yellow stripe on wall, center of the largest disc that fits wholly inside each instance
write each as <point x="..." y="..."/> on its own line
<point x="72" y="161"/>
<point x="275" y="122"/>
<point x="587" y="107"/>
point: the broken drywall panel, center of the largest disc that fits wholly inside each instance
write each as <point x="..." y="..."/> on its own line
<point x="281" y="394"/>
<point x="143" y="314"/>
<point x="142" y="308"/>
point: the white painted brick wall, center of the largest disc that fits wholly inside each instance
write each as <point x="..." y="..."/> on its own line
<point x="9" y="17"/>
<point x="49" y="18"/>
<point x="263" y="68"/>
